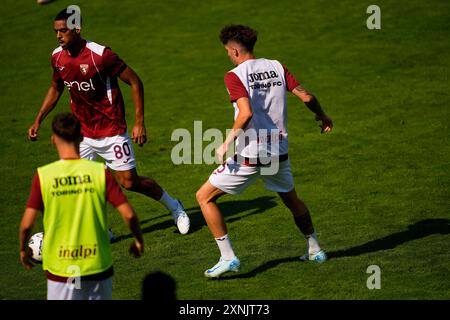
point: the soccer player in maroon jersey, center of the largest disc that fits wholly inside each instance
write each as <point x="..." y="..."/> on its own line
<point x="90" y="72"/>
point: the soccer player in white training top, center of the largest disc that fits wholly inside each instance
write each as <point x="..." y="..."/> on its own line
<point x="90" y="72"/>
<point x="257" y="89"/>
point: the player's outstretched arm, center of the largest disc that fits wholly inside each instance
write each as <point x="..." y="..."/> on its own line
<point x="130" y="77"/>
<point x="26" y="227"/>
<point x="51" y="99"/>
<point x="132" y="221"/>
<point x="313" y="104"/>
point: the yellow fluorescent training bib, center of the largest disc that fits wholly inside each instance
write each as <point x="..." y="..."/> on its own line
<point x="76" y="241"/>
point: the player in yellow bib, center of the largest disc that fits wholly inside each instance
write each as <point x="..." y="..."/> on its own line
<point x="73" y="193"/>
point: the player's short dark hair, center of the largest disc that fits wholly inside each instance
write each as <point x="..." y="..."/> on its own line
<point x="243" y="35"/>
<point x="65" y="14"/>
<point x="67" y="127"/>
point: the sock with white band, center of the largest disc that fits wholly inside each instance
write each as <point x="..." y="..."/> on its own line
<point x="225" y="248"/>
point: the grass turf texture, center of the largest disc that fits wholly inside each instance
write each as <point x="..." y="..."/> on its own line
<point x="377" y="187"/>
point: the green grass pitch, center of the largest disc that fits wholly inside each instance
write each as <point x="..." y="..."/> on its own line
<point x="377" y="186"/>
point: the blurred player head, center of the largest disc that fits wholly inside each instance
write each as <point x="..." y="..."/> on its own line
<point x="66" y="129"/>
<point x="239" y="41"/>
<point x="159" y="293"/>
<point x="67" y="26"/>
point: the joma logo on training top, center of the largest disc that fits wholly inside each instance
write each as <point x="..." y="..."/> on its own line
<point x="252" y="77"/>
<point x="71" y="180"/>
<point x="81" y="86"/>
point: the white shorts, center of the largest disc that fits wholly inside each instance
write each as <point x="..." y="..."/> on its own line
<point x="88" y="290"/>
<point x="233" y="178"/>
<point x="117" y="151"/>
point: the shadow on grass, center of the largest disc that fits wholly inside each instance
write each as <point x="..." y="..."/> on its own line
<point x="231" y="210"/>
<point x="415" y="231"/>
<point x="153" y="218"/>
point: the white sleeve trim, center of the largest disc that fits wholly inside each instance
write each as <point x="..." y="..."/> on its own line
<point x="95" y="47"/>
<point x="59" y="49"/>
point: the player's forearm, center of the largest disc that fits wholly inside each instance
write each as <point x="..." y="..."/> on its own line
<point x="243" y="118"/>
<point x="137" y="89"/>
<point x="135" y="228"/>
<point x="26" y="227"/>
<point x="49" y="103"/>
<point x="24" y="235"/>
<point x="239" y="124"/>
<point x="314" y="105"/>
<point x="309" y="100"/>
<point x="137" y="92"/>
<point x="131" y="220"/>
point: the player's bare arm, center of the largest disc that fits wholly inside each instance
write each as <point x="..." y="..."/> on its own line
<point x="26" y="227"/>
<point x="313" y="104"/>
<point x="243" y="118"/>
<point x="139" y="134"/>
<point x="51" y="99"/>
<point x="132" y="221"/>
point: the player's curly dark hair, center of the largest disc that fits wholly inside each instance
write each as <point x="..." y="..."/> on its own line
<point x="67" y="126"/>
<point x="243" y="35"/>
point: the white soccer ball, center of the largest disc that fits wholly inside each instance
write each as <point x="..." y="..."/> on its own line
<point x="35" y="244"/>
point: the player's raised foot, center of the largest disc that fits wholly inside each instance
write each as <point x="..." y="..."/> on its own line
<point x="318" y="257"/>
<point x="181" y="218"/>
<point x="112" y="238"/>
<point x="223" y="266"/>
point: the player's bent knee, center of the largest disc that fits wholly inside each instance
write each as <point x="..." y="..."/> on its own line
<point x="199" y="195"/>
<point x="129" y="184"/>
<point x="203" y="198"/>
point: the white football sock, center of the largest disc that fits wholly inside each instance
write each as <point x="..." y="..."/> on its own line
<point x="312" y="243"/>
<point x="225" y="248"/>
<point x="168" y="202"/>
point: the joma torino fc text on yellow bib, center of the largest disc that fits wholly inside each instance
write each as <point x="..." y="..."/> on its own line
<point x="75" y="231"/>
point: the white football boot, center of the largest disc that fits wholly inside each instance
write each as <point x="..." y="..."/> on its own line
<point x="181" y="218"/>
<point x="223" y="266"/>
